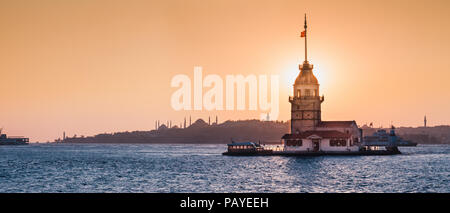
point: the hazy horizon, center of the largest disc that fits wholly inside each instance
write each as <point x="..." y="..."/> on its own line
<point x="88" y="67"/>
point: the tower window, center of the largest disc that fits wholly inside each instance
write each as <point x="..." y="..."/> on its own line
<point x="307" y="92"/>
<point x="299" y="93"/>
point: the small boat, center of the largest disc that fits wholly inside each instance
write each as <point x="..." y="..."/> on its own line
<point x="246" y="148"/>
<point x="5" y="140"/>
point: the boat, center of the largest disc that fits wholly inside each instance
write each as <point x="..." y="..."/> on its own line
<point x="18" y="140"/>
<point x="382" y="137"/>
<point x="247" y="149"/>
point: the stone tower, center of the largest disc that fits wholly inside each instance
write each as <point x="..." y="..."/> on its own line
<point x="305" y="102"/>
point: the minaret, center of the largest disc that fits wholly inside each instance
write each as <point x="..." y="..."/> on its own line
<point x="305" y="102"/>
<point x="425" y="121"/>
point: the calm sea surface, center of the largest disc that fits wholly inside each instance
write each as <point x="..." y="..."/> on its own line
<point x="202" y="168"/>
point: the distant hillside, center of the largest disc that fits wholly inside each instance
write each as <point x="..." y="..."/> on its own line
<point x="268" y="132"/>
<point x="199" y="132"/>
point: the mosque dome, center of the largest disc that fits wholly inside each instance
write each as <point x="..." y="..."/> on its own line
<point x="200" y="123"/>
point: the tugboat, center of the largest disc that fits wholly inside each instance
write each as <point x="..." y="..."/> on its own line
<point x="4" y="140"/>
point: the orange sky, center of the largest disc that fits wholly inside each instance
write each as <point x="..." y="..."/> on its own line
<point x="94" y="66"/>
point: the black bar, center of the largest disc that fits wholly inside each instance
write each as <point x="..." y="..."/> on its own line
<point x="223" y="202"/>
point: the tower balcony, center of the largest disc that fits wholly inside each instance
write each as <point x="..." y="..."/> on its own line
<point x="297" y="98"/>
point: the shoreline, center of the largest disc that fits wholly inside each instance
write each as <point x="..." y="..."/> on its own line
<point x="37" y="143"/>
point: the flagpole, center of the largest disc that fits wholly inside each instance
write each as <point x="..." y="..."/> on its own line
<point x="306" y="47"/>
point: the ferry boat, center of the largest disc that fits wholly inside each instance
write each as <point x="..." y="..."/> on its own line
<point x="4" y="140"/>
<point x="247" y="148"/>
<point x="382" y="137"/>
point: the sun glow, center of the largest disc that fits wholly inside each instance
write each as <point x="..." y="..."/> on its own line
<point x="290" y="75"/>
<point x="321" y="73"/>
<point x="320" y="70"/>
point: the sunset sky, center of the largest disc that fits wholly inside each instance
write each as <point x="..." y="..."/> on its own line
<point x="95" y="66"/>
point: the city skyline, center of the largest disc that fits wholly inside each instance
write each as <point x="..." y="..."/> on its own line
<point x="87" y="67"/>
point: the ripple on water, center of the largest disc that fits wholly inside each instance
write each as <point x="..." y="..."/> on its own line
<point x="202" y="168"/>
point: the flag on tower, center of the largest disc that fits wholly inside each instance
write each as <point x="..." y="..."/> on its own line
<point x="303" y="34"/>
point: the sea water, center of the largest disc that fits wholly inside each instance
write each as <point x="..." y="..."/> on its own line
<point x="203" y="168"/>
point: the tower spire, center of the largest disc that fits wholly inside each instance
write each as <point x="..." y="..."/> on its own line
<point x="306" y="47"/>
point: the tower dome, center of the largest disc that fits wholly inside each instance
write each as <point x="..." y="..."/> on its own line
<point x="306" y="75"/>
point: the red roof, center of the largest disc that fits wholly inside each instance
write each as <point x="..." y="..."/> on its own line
<point x="334" y="124"/>
<point x="322" y="134"/>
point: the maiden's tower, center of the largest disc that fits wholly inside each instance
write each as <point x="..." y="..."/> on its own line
<point x="308" y="131"/>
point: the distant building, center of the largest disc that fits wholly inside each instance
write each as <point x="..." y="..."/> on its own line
<point x="163" y="127"/>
